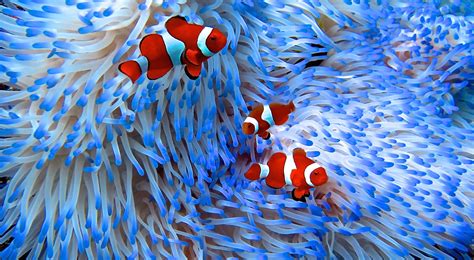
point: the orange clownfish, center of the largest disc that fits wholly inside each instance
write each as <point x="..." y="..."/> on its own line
<point x="182" y="44"/>
<point x="296" y="170"/>
<point x="262" y="117"/>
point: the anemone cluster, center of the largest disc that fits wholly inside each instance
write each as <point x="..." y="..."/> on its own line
<point x="93" y="166"/>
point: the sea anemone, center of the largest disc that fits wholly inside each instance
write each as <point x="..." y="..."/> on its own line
<point x="95" y="166"/>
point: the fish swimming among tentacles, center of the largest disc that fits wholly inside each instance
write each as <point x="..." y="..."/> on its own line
<point x="296" y="170"/>
<point x="262" y="117"/>
<point x="182" y="44"/>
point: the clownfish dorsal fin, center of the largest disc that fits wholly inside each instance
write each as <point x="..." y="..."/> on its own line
<point x="299" y="152"/>
<point x="300" y="156"/>
<point x="193" y="56"/>
<point x="174" y="23"/>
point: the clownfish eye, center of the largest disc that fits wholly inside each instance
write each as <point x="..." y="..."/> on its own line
<point x="213" y="37"/>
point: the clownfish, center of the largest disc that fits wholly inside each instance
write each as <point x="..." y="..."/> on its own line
<point x="262" y="117"/>
<point x="296" y="170"/>
<point x="182" y="44"/>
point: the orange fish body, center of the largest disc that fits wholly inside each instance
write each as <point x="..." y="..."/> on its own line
<point x="182" y="44"/>
<point x="296" y="170"/>
<point x="262" y="117"/>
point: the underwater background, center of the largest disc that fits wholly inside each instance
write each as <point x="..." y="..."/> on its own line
<point x="93" y="166"/>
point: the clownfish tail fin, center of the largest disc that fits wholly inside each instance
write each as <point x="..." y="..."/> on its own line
<point x="291" y="106"/>
<point x="131" y="69"/>
<point x="253" y="173"/>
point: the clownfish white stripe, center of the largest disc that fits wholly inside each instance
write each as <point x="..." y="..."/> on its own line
<point x="174" y="48"/>
<point x="264" y="171"/>
<point x="201" y="41"/>
<point x="288" y="168"/>
<point x="267" y="115"/>
<point x="252" y="121"/>
<point x="307" y="172"/>
<point x="143" y="62"/>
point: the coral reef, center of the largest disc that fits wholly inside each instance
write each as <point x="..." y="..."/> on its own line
<point x="95" y="166"/>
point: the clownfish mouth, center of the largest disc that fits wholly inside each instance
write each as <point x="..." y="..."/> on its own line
<point x="248" y="129"/>
<point x="250" y="126"/>
<point x="216" y="41"/>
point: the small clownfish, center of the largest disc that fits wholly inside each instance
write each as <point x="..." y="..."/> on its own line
<point x="182" y="44"/>
<point x="262" y="117"/>
<point x="296" y="170"/>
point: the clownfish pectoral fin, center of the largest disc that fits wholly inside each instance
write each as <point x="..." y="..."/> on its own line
<point x="192" y="71"/>
<point x="193" y="56"/>
<point x="298" y="182"/>
<point x="174" y="23"/>
<point x="265" y="135"/>
<point x="131" y="69"/>
<point x="300" y="194"/>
